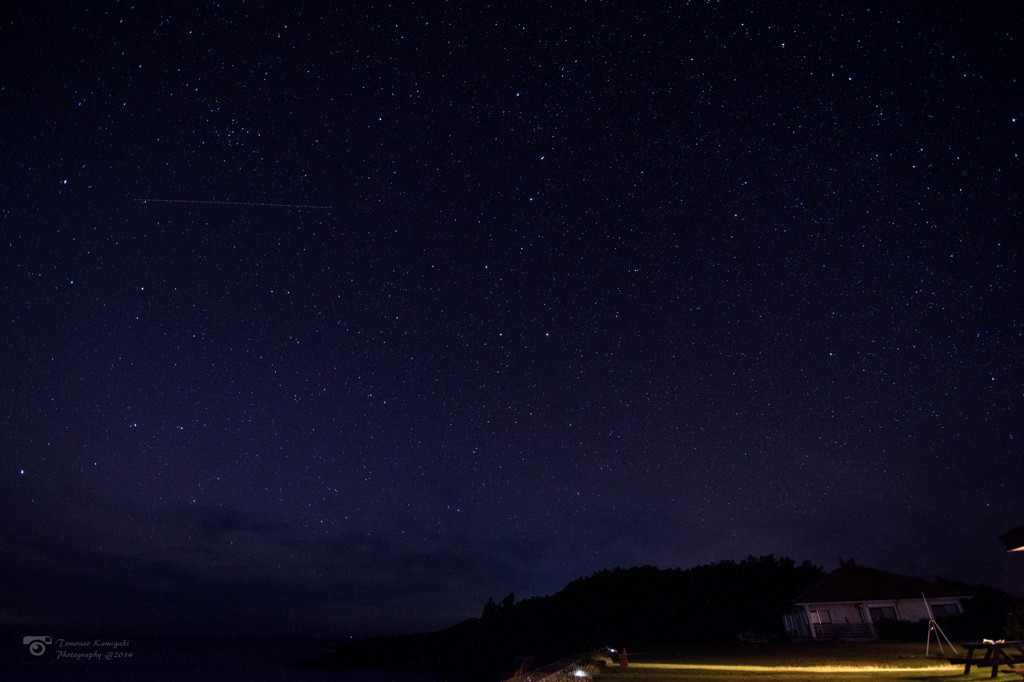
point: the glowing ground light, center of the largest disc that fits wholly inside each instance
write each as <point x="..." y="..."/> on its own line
<point x="794" y="668"/>
<point x="579" y="673"/>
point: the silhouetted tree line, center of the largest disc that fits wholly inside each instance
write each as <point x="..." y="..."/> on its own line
<point x="491" y="609"/>
<point x="991" y="613"/>
<point x="635" y="607"/>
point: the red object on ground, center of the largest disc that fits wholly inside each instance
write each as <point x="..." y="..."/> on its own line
<point x="623" y="659"/>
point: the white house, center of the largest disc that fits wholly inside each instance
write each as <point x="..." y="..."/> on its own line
<point x="848" y="602"/>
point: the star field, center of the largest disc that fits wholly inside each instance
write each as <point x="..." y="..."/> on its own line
<point x="578" y="286"/>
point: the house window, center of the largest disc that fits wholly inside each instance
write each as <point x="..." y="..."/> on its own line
<point x="821" y="617"/>
<point x="882" y="613"/>
<point x="945" y="611"/>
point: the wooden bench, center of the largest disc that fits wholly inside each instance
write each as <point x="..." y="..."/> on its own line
<point x="996" y="654"/>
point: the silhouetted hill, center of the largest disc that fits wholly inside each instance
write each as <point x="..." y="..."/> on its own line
<point x="633" y="607"/>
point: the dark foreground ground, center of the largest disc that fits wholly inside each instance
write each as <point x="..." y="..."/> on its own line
<point x="848" y="662"/>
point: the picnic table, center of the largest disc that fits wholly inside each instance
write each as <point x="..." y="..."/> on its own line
<point x="996" y="654"/>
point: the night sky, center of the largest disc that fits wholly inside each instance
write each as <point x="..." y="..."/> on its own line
<point x="341" y="321"/>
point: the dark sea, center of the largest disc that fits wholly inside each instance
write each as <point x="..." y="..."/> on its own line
<point x="187" y="660"/>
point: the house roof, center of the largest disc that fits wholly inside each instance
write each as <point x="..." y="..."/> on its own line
<point x="860" y="583"/>
<point x="1014" y="539"/>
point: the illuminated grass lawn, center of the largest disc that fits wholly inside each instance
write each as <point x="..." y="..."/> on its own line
<point x="800" y="662"/>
